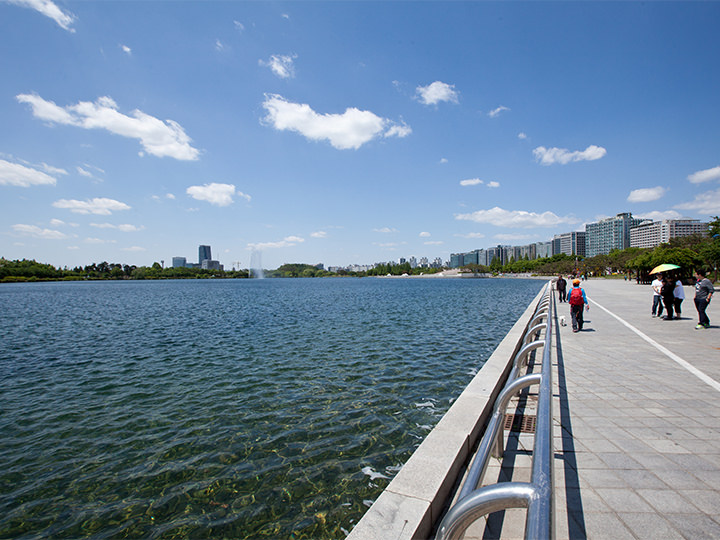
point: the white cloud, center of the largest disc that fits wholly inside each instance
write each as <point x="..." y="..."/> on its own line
<point x="471" y="182"/>
<point x="443" y="161"/>
<point x="434" y="243"/>
<point x="99" y="241"/>
<point x="170" y="196"/>
<point x="656" y="215"/>
<point x="385" y="230"/>
<point x="156" y="137"/>
<point x="319" y="234"/>
<point x="14" y="174"/>
<point x="217" y="194"/>
<point x="515" y="218"/>
<point x="83" y="172"/>
<point x="99" y="206"/>
<point x="471" y="235"/>
<point x="37" y="232"/>
<point x="127" y="50"/>
<point x="705" y="175"/>
<point x="549" y="156"/>
<point x="219" y="46"/>
<point x="646" y="194"/>
<point x="351" y="129"/>
<point x="125" y="227"/>
<point x="707" y="203"/>
<point x="288" y="241"/>
<point x="493" y="184"/>
<point x="512" y="237"/>
<point x="134" y="249"/>
<point x="522" y="136"/>
<point x="496" y="112"/>
<point x="425" y="234"/>
<point x="281" y="65"/>
<point x="52" y="170"/>
<point x="436" y="92"/>
<point x="49" y="9"/>
<point x="239" y="26"/>
<point x="57" y="222"/>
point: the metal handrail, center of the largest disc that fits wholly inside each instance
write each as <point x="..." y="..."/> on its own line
<point x="537" y="496"/>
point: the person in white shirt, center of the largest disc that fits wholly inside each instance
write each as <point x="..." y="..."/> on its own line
<point x="657" y="305"/>
<point x="679" y="293"/>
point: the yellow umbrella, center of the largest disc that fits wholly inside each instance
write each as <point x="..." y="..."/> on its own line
<point x="664" y="268"/>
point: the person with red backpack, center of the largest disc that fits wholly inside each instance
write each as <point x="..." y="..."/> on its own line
<point x="577" y="301"/>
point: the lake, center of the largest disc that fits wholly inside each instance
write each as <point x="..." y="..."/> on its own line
<point x="275" y="408"/>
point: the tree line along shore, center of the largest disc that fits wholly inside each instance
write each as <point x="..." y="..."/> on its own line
<point x="689" y="252"/>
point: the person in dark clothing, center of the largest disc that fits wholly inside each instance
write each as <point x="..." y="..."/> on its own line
<point x="703" y="293"/>
<point x="561" y="287"/>
<point x="668" y="297"/>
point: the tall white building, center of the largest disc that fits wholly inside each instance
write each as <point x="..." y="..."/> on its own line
<point x="654" y="233"/>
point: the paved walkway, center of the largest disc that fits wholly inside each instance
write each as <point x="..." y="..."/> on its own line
<point x="637" y="414"/>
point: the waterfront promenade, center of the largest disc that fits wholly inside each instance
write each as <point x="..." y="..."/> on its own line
<point x="637" y="424"/>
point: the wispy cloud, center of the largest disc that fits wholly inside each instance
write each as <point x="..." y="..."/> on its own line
<point x="288" y="241"/>
<point x="515" y="218"/>
<point x="436" y="92"/>
<point x="319" y="234"/>
<point x="522" y="136"/>
<point x="385" y="230"/>
<point x="48" y="8"/>
<point x="471" y="235"/>
<point x="550" y="156"/>
<point x="657" y="215"/>
<point x="217" y="194"/>
<point x="508" y="237"/>
<point x="477" y="182"/>
<point x="352" y="129"/>
<point x="127" y="50"/>
<point x="38" y="232"/>
<point x="496" y="112"/>
<point x="471" y="182"/>
<point x="156" y="137"/>
<point x="125" y="227"/>
<point x="14" y="174"/>
<point x="99" y="206"/>
<point x="646" y="194"/>
<point x="281" y="65"/>
<point x="707" y="203"/>
<point x="424" y="234"/>
<point x="705" y="176"/>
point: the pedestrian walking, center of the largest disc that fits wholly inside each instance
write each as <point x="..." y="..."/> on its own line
<point x="679" y="294"/>
<point x="668" y="296"/>
<point x="577" y="301"/>
<point x="561" y="287"/>
<point x="657" y="306"/>
<point x="703" y="293"/>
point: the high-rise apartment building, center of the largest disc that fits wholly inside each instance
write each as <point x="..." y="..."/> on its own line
<point x="607" y="234"/>
<point x="572" y="243"/>
<point x="179" y="262"/>
<point x="653" y="233"/>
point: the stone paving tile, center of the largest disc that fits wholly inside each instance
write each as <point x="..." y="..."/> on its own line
<point x="626" y="500"/>
<point x="649" y="527"/>
<point x="666" y="501"/>
<point x="605" y="525"/>
<point x="708" y="501"/>
<point x="695" y="525"/>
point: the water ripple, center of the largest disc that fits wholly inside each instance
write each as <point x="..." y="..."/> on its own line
<point x="243" y="409"/>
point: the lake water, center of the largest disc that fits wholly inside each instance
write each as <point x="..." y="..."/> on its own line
<point x="231" y="408"/>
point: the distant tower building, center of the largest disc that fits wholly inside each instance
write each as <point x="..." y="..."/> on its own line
<point x="650" y="234"/>
<point x="179" y="262"/>
<point x="204" y="254"/>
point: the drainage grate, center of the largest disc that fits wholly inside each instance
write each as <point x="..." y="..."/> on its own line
<point x="524" y="423"/>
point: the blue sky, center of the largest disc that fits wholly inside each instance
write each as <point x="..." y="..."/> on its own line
<point x="347" y="132"/>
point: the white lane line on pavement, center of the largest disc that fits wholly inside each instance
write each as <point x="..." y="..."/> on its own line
<point x="684" y="363"/>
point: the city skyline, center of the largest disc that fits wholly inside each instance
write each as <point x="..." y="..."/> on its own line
<point x="347" y="132"/>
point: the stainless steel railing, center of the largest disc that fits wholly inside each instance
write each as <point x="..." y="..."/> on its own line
<point x="536" y="495"/>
